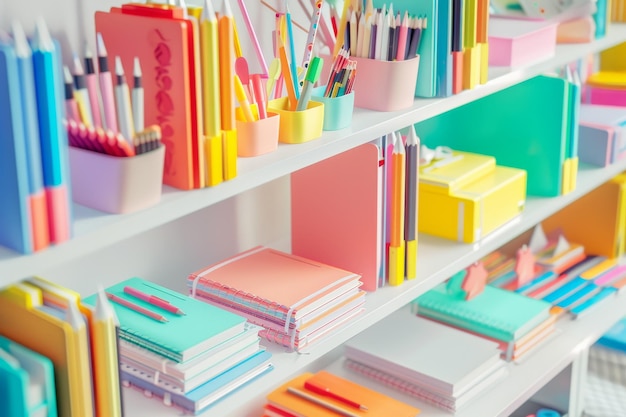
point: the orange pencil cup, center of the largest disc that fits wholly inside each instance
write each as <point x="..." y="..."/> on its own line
<point x="298" y="126"/>
<point x="258" y="137"/>
<point x="383" y="85"/>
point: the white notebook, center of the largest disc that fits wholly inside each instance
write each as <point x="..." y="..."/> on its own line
<point x="440" y="358"/>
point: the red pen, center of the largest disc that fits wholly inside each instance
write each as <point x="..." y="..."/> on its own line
<point x="154" y="300"/>
<point x="325" y="391"/>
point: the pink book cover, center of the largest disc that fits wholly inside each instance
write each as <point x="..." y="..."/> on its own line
<point x="288" y="281"/>
<point x="335" y="212"/>
<point x="163" y="48"/>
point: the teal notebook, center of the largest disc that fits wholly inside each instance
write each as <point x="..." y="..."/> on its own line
<point x="26" y="382"/>
<point x="524" y="126"/>
<point x="182" y="337"/>
<point x="495" y="313"/>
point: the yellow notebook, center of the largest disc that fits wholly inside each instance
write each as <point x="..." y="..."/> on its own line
<point x="608" y="79"/>
<point x="26" y="323"/>
<point x="472" y="211"/>
<point x="451" y="173"/>
<point x="377" y="404"/>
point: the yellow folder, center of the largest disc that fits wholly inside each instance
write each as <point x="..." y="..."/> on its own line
<point x="26" y="323"/>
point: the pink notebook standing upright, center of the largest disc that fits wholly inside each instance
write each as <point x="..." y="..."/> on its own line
<point x="336" y="212"/>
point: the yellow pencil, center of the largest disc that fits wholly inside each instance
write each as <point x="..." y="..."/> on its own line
<point x="105" y="359"/>
<point x="225" y="25"/>
<point x="396" y="244"/>
<point x="210" y="70"/>
<point x="240" y="92"/>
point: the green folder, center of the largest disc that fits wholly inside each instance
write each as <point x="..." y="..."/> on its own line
<point x="524" y="126"/>
<point x="495" y="313"/>
<point x="182" y="337"/>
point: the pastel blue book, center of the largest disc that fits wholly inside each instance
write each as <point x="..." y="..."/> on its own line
<point x="207" y="394"/>
<point x="27" y="386"/>
<point x="615" y="338"/>
<point x="181" y="337"/>
<point x="495" y="313"/>
<point x="590" y="302"/>
<point x="578" y="296"/>
<point x="566" y="290"/>
<point x="15" y="226"/>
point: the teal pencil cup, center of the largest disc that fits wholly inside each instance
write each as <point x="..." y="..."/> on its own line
<point x="337" y="110"/>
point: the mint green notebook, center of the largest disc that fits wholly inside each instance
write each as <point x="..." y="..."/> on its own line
<point x="495" y="313"/>
<point x="182" y="337"/>
<point x="524" y="126"/>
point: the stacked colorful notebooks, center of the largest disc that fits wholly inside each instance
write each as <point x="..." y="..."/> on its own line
<point x="296" y="300"/>
<point x="187" y="352"/>
<point x="326" y="395"/>
<point x="516" y="322"/>
<point x="433" y="362"/>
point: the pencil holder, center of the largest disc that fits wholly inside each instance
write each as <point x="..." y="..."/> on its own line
<point x="337" y="110"/>
<point x="258" y="137"/>
<point x="382" y="85"/>
<point x="115" y="184"/>
<point x="298" y="126"/>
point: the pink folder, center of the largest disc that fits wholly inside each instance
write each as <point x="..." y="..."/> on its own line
<point x="336" y="212"/>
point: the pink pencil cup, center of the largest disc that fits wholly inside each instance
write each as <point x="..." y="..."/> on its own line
<point x="116" y="184"/>
<point x="382" y="85"/>
<point x="258" y="137"/>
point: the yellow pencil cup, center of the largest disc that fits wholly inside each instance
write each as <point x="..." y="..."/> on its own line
<point x="298" y="126"/>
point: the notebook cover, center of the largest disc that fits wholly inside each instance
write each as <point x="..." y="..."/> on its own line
<point x="14" y="386"/>
<point x="535" y="144"/>
<point x="335" y="213"/>
<point x="163" y="47"/>
<point x="595" y="144"/>
<point x="613" y="116"/>
<point x="270" y="276"/>
<point x="15" y="226"/>
<point x="183" y="336"/>
<point x="52" y="338"/>
<point x="378" y="404"/>
<point x="448" y="175"/>
<point x="496" y="313"/>
<point x="441" y="358"/>
<point x="40" y="374"/>
<point x="599" y="232"/>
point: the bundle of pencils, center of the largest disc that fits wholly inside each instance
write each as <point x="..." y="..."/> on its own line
<point x="382" y="34"/>
<point x="342" y="75"/>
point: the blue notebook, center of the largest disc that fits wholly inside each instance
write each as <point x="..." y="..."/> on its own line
<point x="15" y="227"/>
<point x="209" y="393"/>
<point x="495" y="313"/>
<point x="182" y="337"/>
<point x="615" y="338"/>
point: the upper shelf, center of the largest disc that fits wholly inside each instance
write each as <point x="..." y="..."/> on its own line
<point x="94" y="230"/>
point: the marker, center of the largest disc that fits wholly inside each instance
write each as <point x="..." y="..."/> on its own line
<point x="312" y="75"/>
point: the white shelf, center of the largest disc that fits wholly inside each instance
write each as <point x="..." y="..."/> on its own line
<point x="95" y="230"/>
<point x="525" y="378"/>
<point x="438" y="259"/>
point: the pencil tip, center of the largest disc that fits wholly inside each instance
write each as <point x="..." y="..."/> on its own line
<point x="101" y="49"/>
<point x="119" y="69"/>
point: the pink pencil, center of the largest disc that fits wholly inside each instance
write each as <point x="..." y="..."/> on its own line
<point x="106" y="87"/>
<point x="154" y="300"/>
<point x="404" y="27"/>
<point x="136" y="308"/>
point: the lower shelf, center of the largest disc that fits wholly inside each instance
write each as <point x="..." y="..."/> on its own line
<point x="524" y="379"/>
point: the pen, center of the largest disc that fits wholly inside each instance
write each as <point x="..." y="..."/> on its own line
<point x="136" y="308"/>
<point x="106" y="87"/>
<point x="310" y="42"/>
<point x="122" y="100"/>
<point x="137" y="99"/>
<point x="312" y="386"/>
<point x="321" y="403"/>
<point x="154" y="300"/>
<point x="312" y="75"/>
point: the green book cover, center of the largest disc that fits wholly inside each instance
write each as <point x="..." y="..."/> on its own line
<point x="496" y="313"/>
<point x="181" y="337"/>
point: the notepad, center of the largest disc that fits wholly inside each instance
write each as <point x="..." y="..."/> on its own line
<point x="496" y="313"/>
<point x="436" y="357"/>
<point x="182" y="337"/>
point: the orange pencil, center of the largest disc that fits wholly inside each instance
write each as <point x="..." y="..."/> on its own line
<point x="396" y="244"/>
<point x="227" y="91"/>
<point x="285" y="70"/>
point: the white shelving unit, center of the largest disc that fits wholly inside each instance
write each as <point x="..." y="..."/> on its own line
<point x="97" y="233"/>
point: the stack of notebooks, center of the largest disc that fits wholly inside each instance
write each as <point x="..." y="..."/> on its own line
<point x="189" y="353"/>
<point x="433" y="362"/>
<point x="296" y="300"/>
<point x="325" y="394"/>
<point x="516" y="322"/>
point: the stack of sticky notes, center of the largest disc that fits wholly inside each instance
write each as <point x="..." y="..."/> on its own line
<point x="35" y="211"/>
<point x="187" y="352"/>
<point x="464" y="196"/>
<point x="296" y="300"/>
<point x="325" y="394"/>
<point x="438" y="364"/>
<point x="607" y="87"/>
